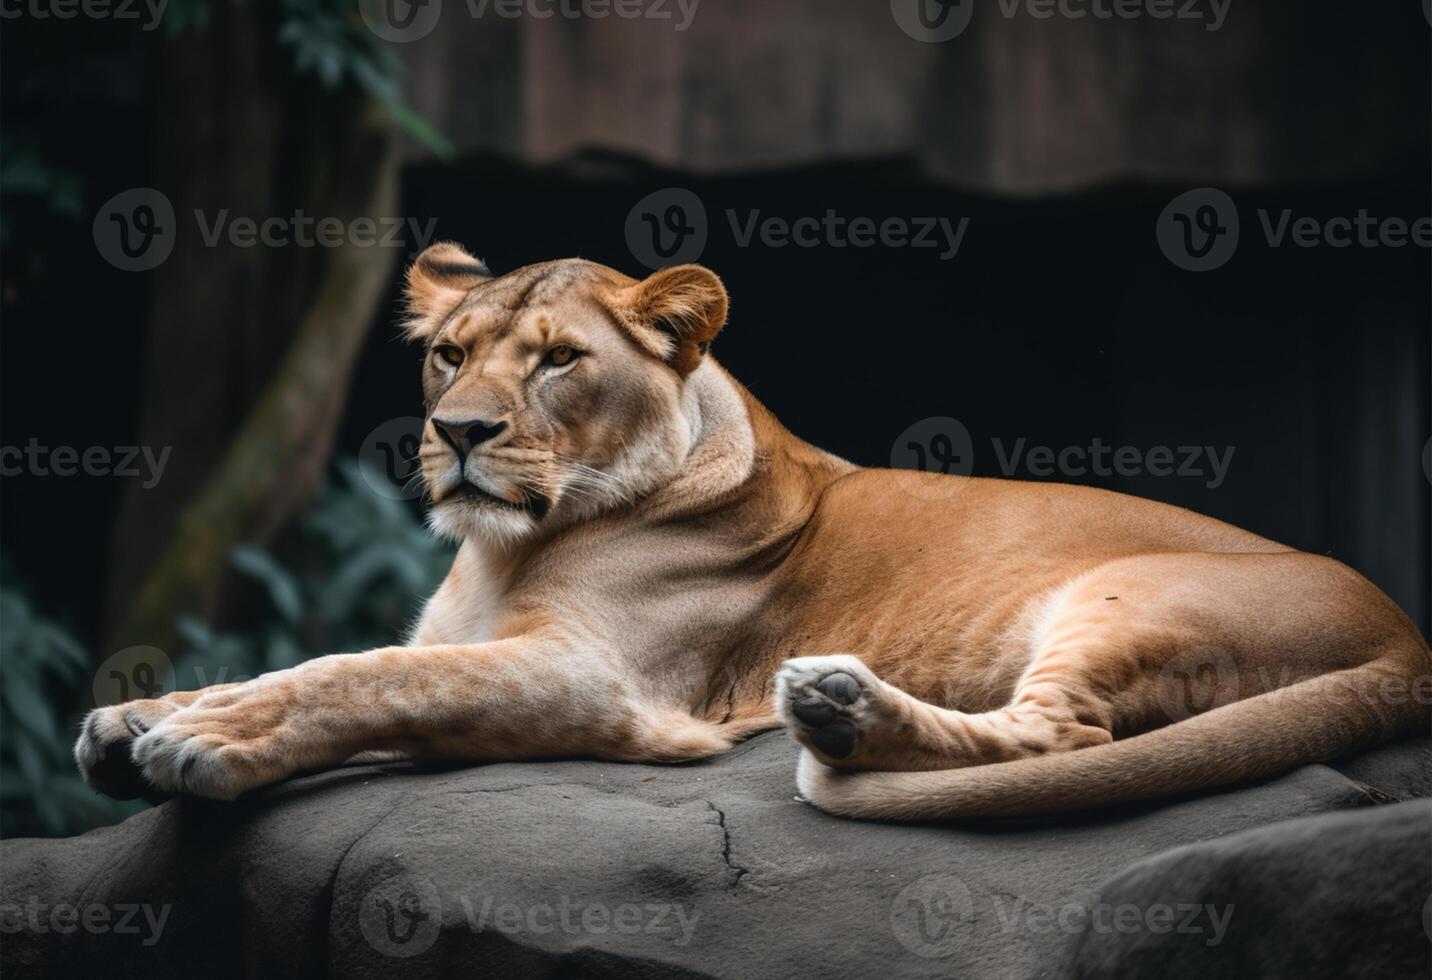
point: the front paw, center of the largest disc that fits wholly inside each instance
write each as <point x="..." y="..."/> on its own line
<point x="103" y="751"/>
<point x="222" y="745"/>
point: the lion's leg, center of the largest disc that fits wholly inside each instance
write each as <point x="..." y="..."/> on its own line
<point x="850" y="719"/>
<point x="520" y="698"/>
<point x="1137" y="644"/>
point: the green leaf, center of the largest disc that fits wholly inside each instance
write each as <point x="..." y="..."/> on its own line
<point x="422" y="131"/>
<point x="283" y="590"/>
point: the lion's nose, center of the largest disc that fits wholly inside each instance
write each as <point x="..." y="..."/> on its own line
<point x="463" y="436"/>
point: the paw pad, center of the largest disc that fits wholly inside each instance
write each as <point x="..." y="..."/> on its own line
<point x="822" y="700"/>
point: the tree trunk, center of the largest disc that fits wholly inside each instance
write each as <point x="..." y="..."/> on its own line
<point x="250" y="350"/>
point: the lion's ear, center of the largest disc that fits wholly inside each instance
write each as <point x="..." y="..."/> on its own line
<point x="437" y="282"/>
<point x="675" y="313"/>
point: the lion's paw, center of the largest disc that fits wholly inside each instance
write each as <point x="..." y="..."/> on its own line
<point x="226" y="743"/>
<point x="103" y="751"/>
<point x="831" y="704"/>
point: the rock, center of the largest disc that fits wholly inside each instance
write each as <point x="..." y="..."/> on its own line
<point x="598" y="869"/>
<point x="1337" y="895"/>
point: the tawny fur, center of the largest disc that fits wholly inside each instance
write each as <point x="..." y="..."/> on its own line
<point x="645" y="549"/>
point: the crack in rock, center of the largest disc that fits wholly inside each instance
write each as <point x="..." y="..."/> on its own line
<point x="739" y="871"/>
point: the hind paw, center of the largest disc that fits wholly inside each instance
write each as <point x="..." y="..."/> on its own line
<point x="833" y="705"/>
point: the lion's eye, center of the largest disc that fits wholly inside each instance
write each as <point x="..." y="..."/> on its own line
<point x="450" y="355"/>
<point x="562" y="355"/>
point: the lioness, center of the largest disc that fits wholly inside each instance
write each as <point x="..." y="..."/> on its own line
<point x="643" y="547"/>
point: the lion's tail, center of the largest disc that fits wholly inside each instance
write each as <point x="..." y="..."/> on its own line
<point x="1310" y="721"/>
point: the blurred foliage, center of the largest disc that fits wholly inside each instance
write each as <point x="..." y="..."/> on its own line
<point x="330" y="40"/>
<point x="43" y="667"/>
<point x="25" y="175"/>
<point x="352" y="577"/>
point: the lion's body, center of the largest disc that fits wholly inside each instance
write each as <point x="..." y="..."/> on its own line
<point x="998" y="625"/>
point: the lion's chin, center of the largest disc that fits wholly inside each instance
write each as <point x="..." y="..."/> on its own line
<point x="471" y="512"/>
<point x="459" y="520"/>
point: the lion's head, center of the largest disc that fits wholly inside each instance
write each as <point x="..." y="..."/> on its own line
<point x="555" y="391"/>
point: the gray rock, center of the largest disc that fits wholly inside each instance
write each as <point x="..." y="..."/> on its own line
<point x="1337" y="895"/>
<point x="596" y="869"/>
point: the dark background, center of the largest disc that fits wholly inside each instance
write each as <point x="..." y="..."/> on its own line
<point x="1060" y="321"/>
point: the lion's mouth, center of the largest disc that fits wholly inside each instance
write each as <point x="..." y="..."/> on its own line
<point x="532" y="501"/>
